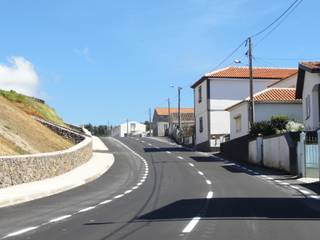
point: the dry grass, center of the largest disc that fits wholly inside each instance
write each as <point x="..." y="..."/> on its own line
<point x="20" y="133"/>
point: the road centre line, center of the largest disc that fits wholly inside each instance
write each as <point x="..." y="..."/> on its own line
<point x="105" y="202"/>
<point x="180" y="157"/>
<point x="86" y="209"/>
<point x="191" y="164"/>
<point x="191" y="225"/>
<point x="59" y="218"/>
<point x="28" y="229"/>
<point x="168" y="152"/>
<point x="210" y="195"/>
<point x="200" y="173"/>
<point x="208" y="182"/>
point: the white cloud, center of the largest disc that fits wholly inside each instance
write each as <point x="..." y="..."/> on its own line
<point x="19" y="75"/>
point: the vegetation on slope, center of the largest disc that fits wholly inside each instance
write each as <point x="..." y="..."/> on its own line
<point x="21" y="134"/>
<point x="32" y="106"/>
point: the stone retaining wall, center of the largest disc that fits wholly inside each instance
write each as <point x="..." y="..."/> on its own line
<point x="27" y="168"/>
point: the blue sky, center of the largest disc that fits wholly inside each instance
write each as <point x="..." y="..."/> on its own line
<point x="101" y="60"/>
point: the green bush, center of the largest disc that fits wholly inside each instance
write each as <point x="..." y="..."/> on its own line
<point x="264" y="127"/>
<point x="279" y="122"/>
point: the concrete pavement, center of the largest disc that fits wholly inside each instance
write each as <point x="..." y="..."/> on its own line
<point x="100" y="162"/>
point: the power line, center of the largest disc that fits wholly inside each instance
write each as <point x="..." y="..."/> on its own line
<point x="279" y="23"/>
<point x="277" y="19"/>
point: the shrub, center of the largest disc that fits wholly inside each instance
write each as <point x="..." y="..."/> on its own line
<point x="279" y="122"/>
<point x="294" y="127"/>
<point x="264" y="127"/>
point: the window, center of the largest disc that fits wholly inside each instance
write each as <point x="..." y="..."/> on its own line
<point x="238" y="123"/>
<point x="308" y="107"/>
<point x="199" y="94"/>
<point x="201" y="124"/>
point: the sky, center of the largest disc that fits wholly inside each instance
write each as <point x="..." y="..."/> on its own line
<point x="103" y="61"/>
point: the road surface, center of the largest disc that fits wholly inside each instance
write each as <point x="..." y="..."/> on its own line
<point x="156" y="190"/>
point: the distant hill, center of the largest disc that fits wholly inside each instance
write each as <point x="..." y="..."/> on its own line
<point x="20" y="133"/>
<point x="32" y="106"/>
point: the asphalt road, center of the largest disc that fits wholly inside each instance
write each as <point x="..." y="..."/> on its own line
<point x="161" y="191"/>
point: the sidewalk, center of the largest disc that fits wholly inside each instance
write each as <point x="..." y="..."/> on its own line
<point x="100" y="162"/>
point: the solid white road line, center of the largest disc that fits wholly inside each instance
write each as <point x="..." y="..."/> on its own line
<point x="191" y="164"/>
<point x="180" y="157"/>
<point x="295" y="187"/>
<point x="191" y="225"/>
<point x="209" y="195"/>
<point x="59" y="218"/>
<point x="21" y="231"/>
<point x="284" y="183"/>
<point x="86" y="209"/>
<point x="201" y="173"/>
<point x="105" y="202"/>
<point x="208" y="182"/>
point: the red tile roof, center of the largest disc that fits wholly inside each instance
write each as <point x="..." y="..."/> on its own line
<point x="312" y="65"/>
<point x="243" y="72"/>
<point x="273" y="95"/>
<point x="276" y="95"/>
<point x="164" y="111"/>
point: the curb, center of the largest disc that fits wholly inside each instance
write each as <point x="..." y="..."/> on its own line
<point x="87" y="172"/>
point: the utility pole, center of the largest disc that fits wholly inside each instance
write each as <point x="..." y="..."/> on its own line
<point x="169" y="114"/>
<point x="127" y="128"/>
<point x="251" y="104"/>
<point x="179" y="108"/>
<point x="150" y="125"/>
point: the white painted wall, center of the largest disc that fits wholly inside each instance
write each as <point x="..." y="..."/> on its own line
<point x="276" y="153"/>
<point x="122" y="129"/>
<point x="225" y="92"/>
<point x="290" y="82"/>
<point x="266" y="111"/>
<point x="239" y="110"/>
<point x="309" y="89"/>
<point x="201" y="110"/>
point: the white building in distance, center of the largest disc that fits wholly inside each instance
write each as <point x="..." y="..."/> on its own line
<point x="130" y="128"/>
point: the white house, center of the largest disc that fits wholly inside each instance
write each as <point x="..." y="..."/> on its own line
<point x="267" y="103"/>
<point x="218" y="90"/>
<point x="308" y="89"/>
<point x="128" y="128"/>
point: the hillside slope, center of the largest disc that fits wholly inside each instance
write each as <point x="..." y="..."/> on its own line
<point x="32" y="106"/>
<point x="21" y="134"/>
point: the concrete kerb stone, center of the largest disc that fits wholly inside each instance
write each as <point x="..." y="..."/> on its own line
<point x="87" y="172"/>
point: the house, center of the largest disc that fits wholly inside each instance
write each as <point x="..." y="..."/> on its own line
<point x="160" y="122"/>
<point x="308" y="89"/>
<point x="267" y="103"/>
<point x="220" y="89"/>
<point x="128" y="128"/>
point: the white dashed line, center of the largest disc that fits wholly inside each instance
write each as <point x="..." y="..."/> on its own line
<point x="168" y="152"/>
<point x="284" y="183"/>
<point x="128" y="191"/>
<point x="208" y="182"/>
<point x="135" y="187"/>
<point x="200" y="173"/>
<point x="86" y="209"/>
<point x="59" y="218"/>
<point x="119" y="196"/>
<point x="21" y="231"/>
<point x="209" y="195"/>
<point x="191" y="164"/>
<point x="149" y="144"/>
<point x="191" y="225"/>
<point x="105" y="202"/>
<point x="180" y="157"/>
